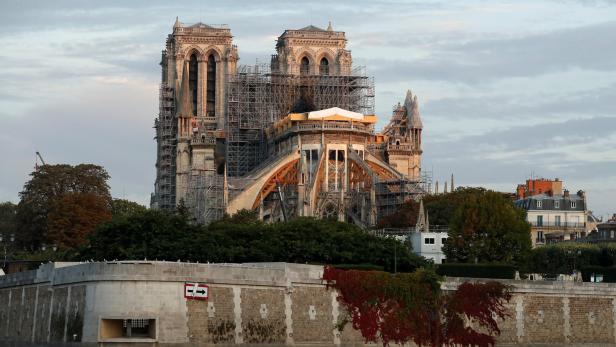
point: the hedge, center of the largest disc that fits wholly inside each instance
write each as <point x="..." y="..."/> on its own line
<point x="499" y="271"/>
<point x="560" y="258"/>
<point x="364" y="267"/>
<point x="609" y="273"/>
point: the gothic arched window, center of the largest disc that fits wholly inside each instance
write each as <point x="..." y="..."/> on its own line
<point x="193" y="85"/>
<point x="211" y="86"/>
<point x="304" y="67"/>
<point x="324" y="67"/>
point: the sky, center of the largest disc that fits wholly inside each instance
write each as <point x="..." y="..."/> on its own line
<point x="507" y="89"/>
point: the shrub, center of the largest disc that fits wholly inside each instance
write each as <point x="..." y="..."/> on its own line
<point x="364" y="267"/>
<point x="476" y="270"/>
<point x="561" y="258"/>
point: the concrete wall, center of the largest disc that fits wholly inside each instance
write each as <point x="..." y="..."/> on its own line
<point x="267" y="304"/>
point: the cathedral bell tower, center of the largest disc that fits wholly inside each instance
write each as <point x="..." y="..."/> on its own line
<point x="404" y="140"/>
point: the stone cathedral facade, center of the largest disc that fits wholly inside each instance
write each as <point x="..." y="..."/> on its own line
<point x="295" y="137"/>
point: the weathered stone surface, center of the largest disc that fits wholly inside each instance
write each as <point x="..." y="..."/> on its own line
<point x="74" y="319"/>
<point x="543" y="319"/>
<point x="212" y="321"/>
<point x="58" y="314"/>
<point x="4" y="312"/>
<point x="41" y="329"/>
<point x="263" y="317"/>
<point x="312" y="315"/>
<point x="592" y="320"/>
<point x="508" y="326"/>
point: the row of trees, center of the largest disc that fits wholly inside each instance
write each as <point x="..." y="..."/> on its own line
<point x="155" y="234"/>
<point x="71" y="207"/>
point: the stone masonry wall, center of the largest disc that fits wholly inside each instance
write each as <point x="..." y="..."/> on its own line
<point x="269" y="304"/>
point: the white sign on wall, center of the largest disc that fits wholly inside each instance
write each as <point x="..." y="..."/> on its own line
<point x="197" y="291"/>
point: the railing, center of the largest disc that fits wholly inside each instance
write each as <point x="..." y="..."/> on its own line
<point x="403" y="147"/>
<point x="315" y="34"/>
<point x="203" y="141"/>
<point x="216" y="28"/>
<point x="327" y="127"/>
<point x="557" y="225"/>
<point x="406" y="231"/>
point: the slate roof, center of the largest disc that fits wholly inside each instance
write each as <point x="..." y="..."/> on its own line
<point x="547" y="202"/>
<point x="201" y="25"/>
<point x="311" y="28"/>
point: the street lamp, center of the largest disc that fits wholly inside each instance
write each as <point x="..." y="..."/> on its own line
<point x="11" y="240"/>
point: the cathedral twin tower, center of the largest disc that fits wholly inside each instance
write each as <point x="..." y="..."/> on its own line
<point x="295" y="138"/>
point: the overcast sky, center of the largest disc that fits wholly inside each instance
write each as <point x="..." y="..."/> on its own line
<point x="507" y="89"/>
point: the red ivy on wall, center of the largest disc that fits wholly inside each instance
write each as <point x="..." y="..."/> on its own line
<point x="407" y="307"/>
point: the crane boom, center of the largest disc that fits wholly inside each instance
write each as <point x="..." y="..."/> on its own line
<point x="38" y="154"/>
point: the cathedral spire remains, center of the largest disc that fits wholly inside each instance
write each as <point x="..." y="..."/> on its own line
<point x="412" y="111"/>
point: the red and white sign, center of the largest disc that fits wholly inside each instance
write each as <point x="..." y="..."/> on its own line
<point x="197" y="291"/>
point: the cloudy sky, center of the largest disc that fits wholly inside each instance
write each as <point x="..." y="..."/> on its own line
<point x="507" y="89"/>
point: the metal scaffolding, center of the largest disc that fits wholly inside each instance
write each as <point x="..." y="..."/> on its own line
<point x="205" y="196"/>
<point x="166" y="136"/>
<point x="257" y="97"/>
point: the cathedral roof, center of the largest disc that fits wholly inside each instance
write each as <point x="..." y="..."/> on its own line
<point x="335" y="111"/>
<point x="201" y="25"/>
<point x="311" y="28"/>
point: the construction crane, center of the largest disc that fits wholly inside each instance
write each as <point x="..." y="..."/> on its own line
<point x="38" y="156"/>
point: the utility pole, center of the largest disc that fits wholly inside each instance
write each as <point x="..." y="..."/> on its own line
<point x="396" y="257"/>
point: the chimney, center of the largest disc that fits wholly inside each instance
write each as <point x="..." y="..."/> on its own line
<point x="566" y="193"/>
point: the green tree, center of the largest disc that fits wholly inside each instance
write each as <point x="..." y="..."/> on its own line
<point x="440" y="208"/>
<point x="487" y="227"/>
<point x="151" y="234"/>
<point x="8" y="213"/>
<point x="125" y="207"/>
<point x="46" y="193"/>
<point x="156" y="234"/>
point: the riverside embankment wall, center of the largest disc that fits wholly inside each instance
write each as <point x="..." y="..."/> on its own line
<point x="266" y="304"/>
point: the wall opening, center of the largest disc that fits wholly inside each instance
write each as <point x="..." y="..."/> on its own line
<point x="211" y="86"/>
<point x="324" y="67"/>
<point x="193" y="85"/>
<point x="128" y="328"/>
<point x="304" y="67"/>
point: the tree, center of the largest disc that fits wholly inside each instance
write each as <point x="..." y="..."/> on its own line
<point x="125" y="207"/>
<point x="151" y="234"/>
<point x="74" y="217"/>
<point x="8" y="213"/>
<point x="155" y="234"/>
<point x="47" y="191"/>
<point x="440" y="208"/>
<point x="487" y="227"/>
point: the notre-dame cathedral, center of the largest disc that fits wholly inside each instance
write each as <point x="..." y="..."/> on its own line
<point x="295" y="137"/>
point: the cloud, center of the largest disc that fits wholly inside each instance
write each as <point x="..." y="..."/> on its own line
<point x="506" y="87"/>
<point x="580" y="152"/>
<point x="94" y="122"/>
<point x="483" y="60"/>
